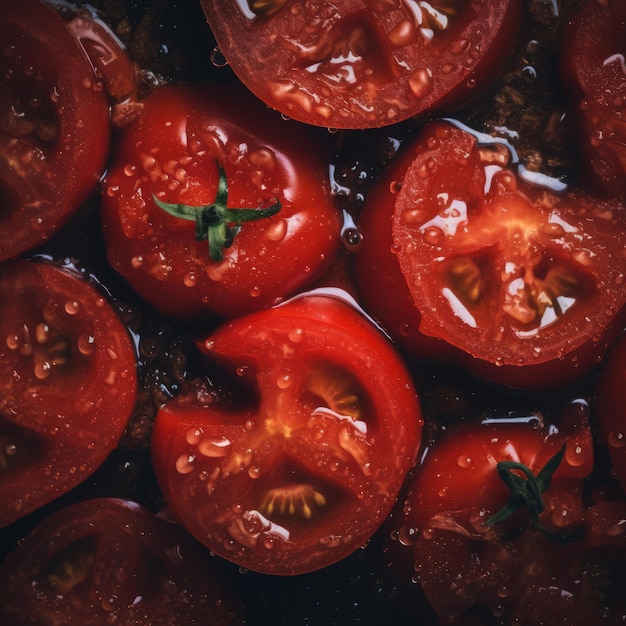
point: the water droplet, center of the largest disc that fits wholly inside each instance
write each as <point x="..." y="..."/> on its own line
<point x="433" y="235"/>
<point x="193" y="436"/>
<point x="254" y="472"/>
<point x="616" y="439"/>
<point x="255" y="292"/>
<point x="72" y="307"/>
<point x="407" y="535"/>
<point x="214" y="448"/>
<point x="576" y="454"/>
<point x="185" y="463"/>
<point x="86" y="343"/>
<point x="190" y="279"/>
<point x="217" y="57"/>
<point x="296" y="335"/>
<point x="284" y="382"/>
<point x="464" y="461"/>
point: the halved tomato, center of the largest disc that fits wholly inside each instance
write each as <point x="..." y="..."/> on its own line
<point x="304" y="467"/>
<point x="521" y="282"/>
<point x="363" y="64"/>
<point x="68" y="383"/>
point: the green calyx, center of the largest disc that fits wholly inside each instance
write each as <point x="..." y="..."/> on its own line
<point x="216" y="222"/>
<point x="526" y="489"/>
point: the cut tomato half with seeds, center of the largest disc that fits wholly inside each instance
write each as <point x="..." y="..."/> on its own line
<point x="303" y="473"/>
<point x="522" y="283"/>
<point x="362" y="64"/>
<point x="68" y="383"/>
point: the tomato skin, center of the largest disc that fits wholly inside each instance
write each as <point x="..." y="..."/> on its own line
<point x="477" y="284"/>
<point x="592" y="62"/>
<point x="173" y="150"/>
<point x="52" y="152"/>
<point x="106" y="559"/>
<point x="304" y="473"/>
<point x="69" y="383"/>
<point x="363" y="64"/>
<point x="458" y="560"/>
<point x="611" y="401"/>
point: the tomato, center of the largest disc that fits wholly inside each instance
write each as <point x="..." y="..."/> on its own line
<point x="68" y="373"/>
<point x="475" y="539"/>
<point x="302" y="473"/>
<point x="108" y="561"/>
<point x="54" y="126"/>
<point x="526" y="579"/>
<point x="228" y="160"/>
<point x="611" y="400"/>
<point x="594" y="73"/>
<point x="363" y="64"/>
<point x="519" y="283"/>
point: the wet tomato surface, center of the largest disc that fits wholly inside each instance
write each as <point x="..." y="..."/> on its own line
<point x="291" y="419"/>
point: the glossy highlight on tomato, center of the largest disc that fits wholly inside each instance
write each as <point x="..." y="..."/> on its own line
<point x="69" y="383"/>
<point x="197" y="147"/>
<point x="54" y="126"/>
<point x="301" y="474"/>
<point x="363" y="64"/>
<point x="110" y="561"/>
<point x="517" y="281"/>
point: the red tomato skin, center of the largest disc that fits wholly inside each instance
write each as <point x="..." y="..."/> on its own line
<point x="222" y="497"/>
<point x="69" y="383"/>
<point x="48" y="171"/>
<point x="130" y="558"/>
<point x="363" y="64"/>
<point x="563" y="354"/>
<point x="172" y="150"/>
<point x="611" y="405"/>
<point x="592" y="62"/>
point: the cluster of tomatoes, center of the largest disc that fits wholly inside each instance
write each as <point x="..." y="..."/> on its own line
<point x="261" y="312"/>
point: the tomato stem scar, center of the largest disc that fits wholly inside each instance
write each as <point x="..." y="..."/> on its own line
<point x="216" y="222"/>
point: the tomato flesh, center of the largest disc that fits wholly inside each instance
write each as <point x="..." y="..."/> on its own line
<point x="362" y="64"/>
<point x="106" y="560"/>
<point x="68" y="383"/>
<point x="524" y="283"/>
<point x="54" y="128"/>
<point x="302" y="474"/>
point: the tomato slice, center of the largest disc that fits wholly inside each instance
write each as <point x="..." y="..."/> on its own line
<point x="192" y="145"/>
<point x="362" y="64"/>
<point x="108" y="561"/>
<point x="302" y="474"/>
<point x="54" y="125"/>
<point x="68" y="373"/>
<point x="524" y="283"/>
<point x="594" y="72"/>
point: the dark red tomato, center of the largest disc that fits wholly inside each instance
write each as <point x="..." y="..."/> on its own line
<point x="54" y="125"/>
<point x="108" y="561"/>
<point x="594" y="72"/>
<point x="459" y="475"/>
<point x="524" y="285"/>
<point x="611" y="399"/>
<point x="446" y="540"/>
<point x="68" y="383"/>
<point x="218" y="152"/>
<point x="303" y="473"/>
<point x="363" y="64"/>
<point x="527" y="579"/>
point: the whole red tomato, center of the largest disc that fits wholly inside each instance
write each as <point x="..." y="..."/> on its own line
<point x="594" y="72"/>
<point x="363" y="64"/>
<point x="68" y="383"/>
<point x="54" y="125"/>
<point x="108" y="561"/>
<point x="301" y="469"/>
<point x="466" y="258"/>
<point x="214" y="204"/>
